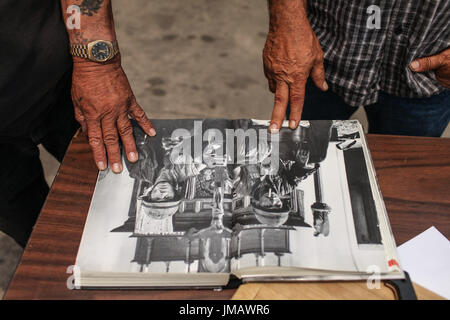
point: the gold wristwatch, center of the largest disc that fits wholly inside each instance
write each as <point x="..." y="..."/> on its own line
<point x="97" y="51"/>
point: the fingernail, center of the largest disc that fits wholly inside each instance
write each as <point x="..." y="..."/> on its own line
<point x="325" y="86"/>
<point x="132" y="156"/>
<point x="101" y="165"/>
<point x="273" y="128"/>
<point x="116" y="168"/>
<point x="152" y="132"/>
<point x="293" y="124"/>
<point x="415" y="65"/>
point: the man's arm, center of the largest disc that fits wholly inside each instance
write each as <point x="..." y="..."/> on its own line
<point x="292" y="54"/>
<point x="101" y="94"/>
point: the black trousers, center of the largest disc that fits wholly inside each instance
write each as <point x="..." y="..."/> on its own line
<point x="23" y="189"/>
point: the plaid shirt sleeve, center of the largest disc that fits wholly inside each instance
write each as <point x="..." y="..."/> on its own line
<point x="360" y="61"/>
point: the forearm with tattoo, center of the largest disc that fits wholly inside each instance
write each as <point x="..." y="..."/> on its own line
<point x="96" y="21"/>
<point x="103" y="99"/>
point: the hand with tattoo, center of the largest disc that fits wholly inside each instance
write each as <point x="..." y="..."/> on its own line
<point x="292" y="54"/>
<point x="103" y="99"/>
<point x="103" y="103"/>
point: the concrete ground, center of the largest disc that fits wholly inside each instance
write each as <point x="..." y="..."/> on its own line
<point x="184" y="59"/>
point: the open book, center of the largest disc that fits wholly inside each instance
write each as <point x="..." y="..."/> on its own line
<point x="213" y="199"/>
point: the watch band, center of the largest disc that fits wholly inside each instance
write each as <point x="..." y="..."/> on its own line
<point x="82" y="51"/>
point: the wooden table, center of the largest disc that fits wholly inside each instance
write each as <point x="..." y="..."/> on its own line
<point x="414" y="176"/>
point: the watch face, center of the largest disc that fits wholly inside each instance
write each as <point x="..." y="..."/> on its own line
<point x="100" y="51"/>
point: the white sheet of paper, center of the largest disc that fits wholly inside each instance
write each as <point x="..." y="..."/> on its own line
<point x="427" y="260"/>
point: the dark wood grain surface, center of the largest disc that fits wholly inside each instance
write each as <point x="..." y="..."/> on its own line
<point x="413" y="173"/>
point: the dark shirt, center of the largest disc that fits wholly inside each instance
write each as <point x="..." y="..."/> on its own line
<point x="34" y="57"/>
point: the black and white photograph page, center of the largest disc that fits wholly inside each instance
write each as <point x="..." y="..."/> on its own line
<point x="320" y="210"/>
<point x="210" y="197"/>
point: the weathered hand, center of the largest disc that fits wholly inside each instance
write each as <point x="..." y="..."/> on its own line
<point x="292" y="54"/>
<point x="440" y="63"/>
<point x="103" y="102"/>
